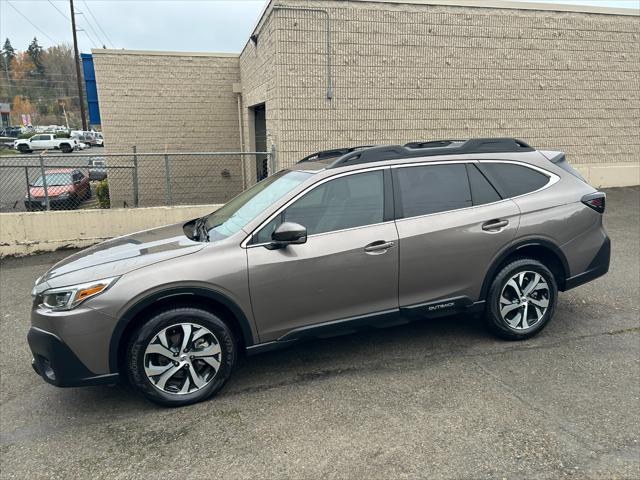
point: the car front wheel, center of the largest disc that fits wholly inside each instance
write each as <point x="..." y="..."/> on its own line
<point x="181" y="356"/>
<point x="522" y="300"/>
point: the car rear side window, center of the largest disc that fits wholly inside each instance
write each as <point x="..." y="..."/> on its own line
<point x="431" y="189"/>
<point x="512" y="180"/>
<point x="481" y="190"/>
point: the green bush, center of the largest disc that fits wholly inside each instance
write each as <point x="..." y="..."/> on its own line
<point x="63" y="135"/>
<point x="102" y="192"/>
<point x="26" y="135"/>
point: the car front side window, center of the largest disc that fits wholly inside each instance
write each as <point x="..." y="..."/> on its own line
<point x="347" y="202"/>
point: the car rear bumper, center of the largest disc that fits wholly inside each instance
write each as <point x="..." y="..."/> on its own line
<point x="54" y="361"/>
<point x="597" y="268"/>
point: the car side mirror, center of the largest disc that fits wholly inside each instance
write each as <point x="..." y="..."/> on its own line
<point x="288" y="233"/>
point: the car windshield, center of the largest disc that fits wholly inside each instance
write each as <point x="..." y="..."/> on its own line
<point x="54" y="179"/>
<point x="240" y="210"/>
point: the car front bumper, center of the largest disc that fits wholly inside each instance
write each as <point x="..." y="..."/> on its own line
<point x="54" y="361"/>
<point x="40" y="204"/>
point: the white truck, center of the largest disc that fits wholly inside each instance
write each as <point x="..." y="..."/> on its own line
<point x="45" y="141"/>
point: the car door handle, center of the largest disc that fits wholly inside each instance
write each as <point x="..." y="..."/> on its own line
<point x="379" y="246"/>
<point x="493" y="225"/>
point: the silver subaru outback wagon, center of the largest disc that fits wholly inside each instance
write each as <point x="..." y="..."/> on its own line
<point x="345" y="239"/>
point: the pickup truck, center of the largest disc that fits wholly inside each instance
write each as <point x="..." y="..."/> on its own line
<point x="45" y="141"/>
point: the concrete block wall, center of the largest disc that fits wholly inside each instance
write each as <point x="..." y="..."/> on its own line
<point x="259" y="80"/>
<point x="410" y="71"/>
<point x="175" y="102"/>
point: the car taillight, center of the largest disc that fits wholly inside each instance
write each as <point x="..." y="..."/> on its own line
<point x="596" y="201"/>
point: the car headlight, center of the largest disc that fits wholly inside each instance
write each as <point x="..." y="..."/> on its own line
<point x="66" y="298"/>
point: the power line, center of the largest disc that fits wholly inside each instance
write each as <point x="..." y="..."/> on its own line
<point x="59" y="11"/>
<point x="32" y="24"/>
<point x="86" y="21"/>
<point x="93" y="42"/>
<point x="61" y="74"/>
<point x="98" y="24"/>
<point x="31" y="80"/>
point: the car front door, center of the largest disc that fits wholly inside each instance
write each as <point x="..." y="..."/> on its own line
<point x="452" y="224"/>
<point x="348" y="267"/>
<point x="37" y="142"/>
<point x="82" y="184"/>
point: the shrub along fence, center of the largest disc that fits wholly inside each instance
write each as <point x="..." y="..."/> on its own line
<point x="51" y="181"/>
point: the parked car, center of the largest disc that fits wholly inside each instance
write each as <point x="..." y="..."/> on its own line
<point x="343" y="240"/>
<point x="45" y="141"/>
<point x="97" y="168"/>
<point x="83" y="142"/>
<point x="66" y="188"/>
<point x="88" y="137"/>
<point x="10" y="132"/>
<point x="99" y="139"/>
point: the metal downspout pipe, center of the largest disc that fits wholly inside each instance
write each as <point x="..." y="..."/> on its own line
<point x="328" y="40"/>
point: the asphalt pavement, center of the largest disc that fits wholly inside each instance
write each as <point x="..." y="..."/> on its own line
<point x="434" y="399"/>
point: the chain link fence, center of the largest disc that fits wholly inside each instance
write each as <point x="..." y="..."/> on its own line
<point x="137" y="179"/>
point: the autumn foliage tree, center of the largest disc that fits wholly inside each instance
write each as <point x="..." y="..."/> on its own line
<point x="39" y="82"/>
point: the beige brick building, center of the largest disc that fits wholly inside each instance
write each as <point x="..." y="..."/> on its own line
<point x="329" y="73"/>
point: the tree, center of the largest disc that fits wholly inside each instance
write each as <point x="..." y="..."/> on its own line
<point x="39" y="81"/>
<point x="9" y="53"/>
<point x="22" y="67"/>
<point x="35" y="52"/>
<point x="22" y="105"/>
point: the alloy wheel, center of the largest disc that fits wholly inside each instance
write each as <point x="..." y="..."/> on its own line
<point x="524" y="300"/>
<point x="182" y="358"/>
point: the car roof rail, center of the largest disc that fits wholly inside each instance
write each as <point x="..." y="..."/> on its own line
<point x="431" y="148"/>
<point x="335" y="152"/>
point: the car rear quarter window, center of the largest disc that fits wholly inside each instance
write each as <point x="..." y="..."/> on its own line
<point x="512" y="180"/>
<point x="481" y="190"/>
<point x="429" y="189"/>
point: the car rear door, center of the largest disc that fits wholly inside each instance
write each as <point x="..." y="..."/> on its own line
<point x="451" y="224"/>
<point x="49" y="141"/>
<point x="347" y="269"/>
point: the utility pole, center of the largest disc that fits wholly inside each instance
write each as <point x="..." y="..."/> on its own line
<point x="75" y="49"/>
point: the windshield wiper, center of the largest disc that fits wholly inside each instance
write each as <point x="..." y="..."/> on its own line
<point x="200" y="230"/>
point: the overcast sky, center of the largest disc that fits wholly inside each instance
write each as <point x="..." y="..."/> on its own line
<point x="182" y="25"/>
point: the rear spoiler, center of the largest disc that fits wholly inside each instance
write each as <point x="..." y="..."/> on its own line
<point x="560" y="159"/>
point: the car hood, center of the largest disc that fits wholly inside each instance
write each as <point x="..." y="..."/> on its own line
<point x="120" y="255"/>
<point x="53" y="190"/>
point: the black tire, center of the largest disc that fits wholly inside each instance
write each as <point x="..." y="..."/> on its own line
<point x="139" y="341"/>
<point x="87" y="195"/>
<point x="492" y="317"/>
<point x="25" y="150"/>
<point x="66" y="148"/>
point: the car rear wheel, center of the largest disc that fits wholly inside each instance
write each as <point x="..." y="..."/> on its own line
<point x="521" y="300"/>
<point x="181" y="356"/>
<point x="66" y="148"/>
